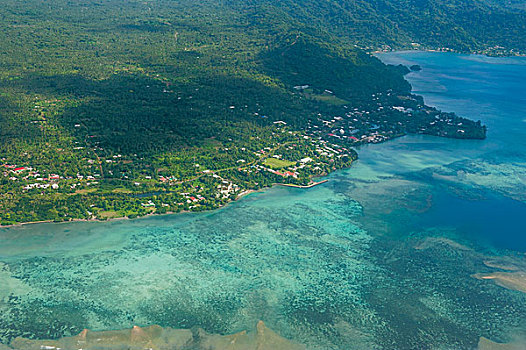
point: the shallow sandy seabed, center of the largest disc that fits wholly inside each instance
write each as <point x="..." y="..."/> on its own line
<point x="486" y="344"/>
<point x="511" y="280"/>
<point x="513" y="277"/>
<point x="158" y="338"/>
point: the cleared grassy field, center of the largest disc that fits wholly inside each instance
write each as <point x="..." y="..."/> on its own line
<point x="86" y="190"/>
<point x="331" y="99"/>
<point x="121" y="190"/>
<point x="110" y="214"/>
<point x="277" y="163"/>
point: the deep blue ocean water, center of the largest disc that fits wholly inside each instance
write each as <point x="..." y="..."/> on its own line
<point x="383" y="256"/>
<point x="492" y="90"/>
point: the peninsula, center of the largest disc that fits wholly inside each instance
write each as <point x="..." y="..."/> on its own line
<point x="168" y="107"/>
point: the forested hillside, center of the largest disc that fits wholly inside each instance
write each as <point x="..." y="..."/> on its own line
<point x="487" y="26"/>
<point x="122" y="107"/>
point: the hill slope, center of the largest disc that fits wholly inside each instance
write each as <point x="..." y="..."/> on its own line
<point x="463" y="25"/>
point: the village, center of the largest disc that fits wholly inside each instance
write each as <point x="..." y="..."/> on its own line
<point x="107" y="185"/>
<point x="387" y="115"/>
<point x="296" y="159"/>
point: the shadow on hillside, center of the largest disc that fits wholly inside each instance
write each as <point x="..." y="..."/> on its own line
<point x="349" y="74"/>
<point x="131" y="113"/>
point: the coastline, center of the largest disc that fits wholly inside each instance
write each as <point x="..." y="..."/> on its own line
<point x="239" y="196"/>
<point x="475" y="53"/>
<point x="443" y="258"/>
<point x="242" y="193"/>
<point x="313" y="183"/>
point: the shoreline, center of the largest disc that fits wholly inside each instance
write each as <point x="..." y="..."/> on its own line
<point x="244" y="193"/>
<point x="239" y="196"/>
<point x="210" y="229"/>
<point x="515" y="54"/>
<point x="314" y="184"/>
<point x="249" y="191"/>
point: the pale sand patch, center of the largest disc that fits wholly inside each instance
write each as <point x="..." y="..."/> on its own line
<point x="158" y="338"/>
<point x="9" y="284"/>
<point x="433" y="241"/>
<point x="509" y="263"/>
<point x="486" y="344"/>
<point x="510" y="280"/>
<point x="513" y="278"/>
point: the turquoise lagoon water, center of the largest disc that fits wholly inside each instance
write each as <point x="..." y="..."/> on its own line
<point x="380" y="257"/>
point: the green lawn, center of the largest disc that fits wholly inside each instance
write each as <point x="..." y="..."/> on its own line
<point x="277" y="163"/>
<point x="331" y="99"/>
